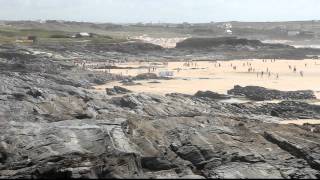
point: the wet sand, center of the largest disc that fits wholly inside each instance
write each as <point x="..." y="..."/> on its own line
<point x="207" y="75"/>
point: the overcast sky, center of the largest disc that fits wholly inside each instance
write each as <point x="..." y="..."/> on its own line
<point x="131" y="11"/>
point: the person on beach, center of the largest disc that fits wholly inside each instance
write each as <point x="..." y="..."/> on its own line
<point x="301" y="73"/>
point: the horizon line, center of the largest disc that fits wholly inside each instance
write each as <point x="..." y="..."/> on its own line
<point x="159" y="22"/>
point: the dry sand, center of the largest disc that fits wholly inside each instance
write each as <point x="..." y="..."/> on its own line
<point x="207" y="75"/>
<point x="301" y="121"/>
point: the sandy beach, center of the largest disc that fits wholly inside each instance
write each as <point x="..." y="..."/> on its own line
<point x="221" y="76"/>
<point x="301" y="121"/>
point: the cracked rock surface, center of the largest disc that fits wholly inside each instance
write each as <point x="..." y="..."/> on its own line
<point x="52" y="125"/>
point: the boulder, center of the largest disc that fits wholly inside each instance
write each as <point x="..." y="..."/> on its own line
<point x="295" y="149"/>
<point x="191" y="153"/>
<point x="35" y="93"/>
<point x="261" y="94"/>
<point x="145" y="76"/>
<point x="117" y="90"/>
<point x="211" y="95"/>
<point x="130" y="101"/>
<point x="156" y="163"/>
<point x="129" y="82"/>
<point x="154" y="82"/>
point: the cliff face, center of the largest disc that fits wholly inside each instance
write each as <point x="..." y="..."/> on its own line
<point x="51" y="126"/>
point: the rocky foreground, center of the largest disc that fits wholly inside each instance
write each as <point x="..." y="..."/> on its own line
<point x="54" y="126"/>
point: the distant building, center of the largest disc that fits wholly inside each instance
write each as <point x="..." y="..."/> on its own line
<point x="293" y="33"/>
<point x="82" y="34"/>
<point x="42" y="21"/>
<point x="228" y="31"/>
<point x="228" y="25"/>
<point x="227" y="28"/>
